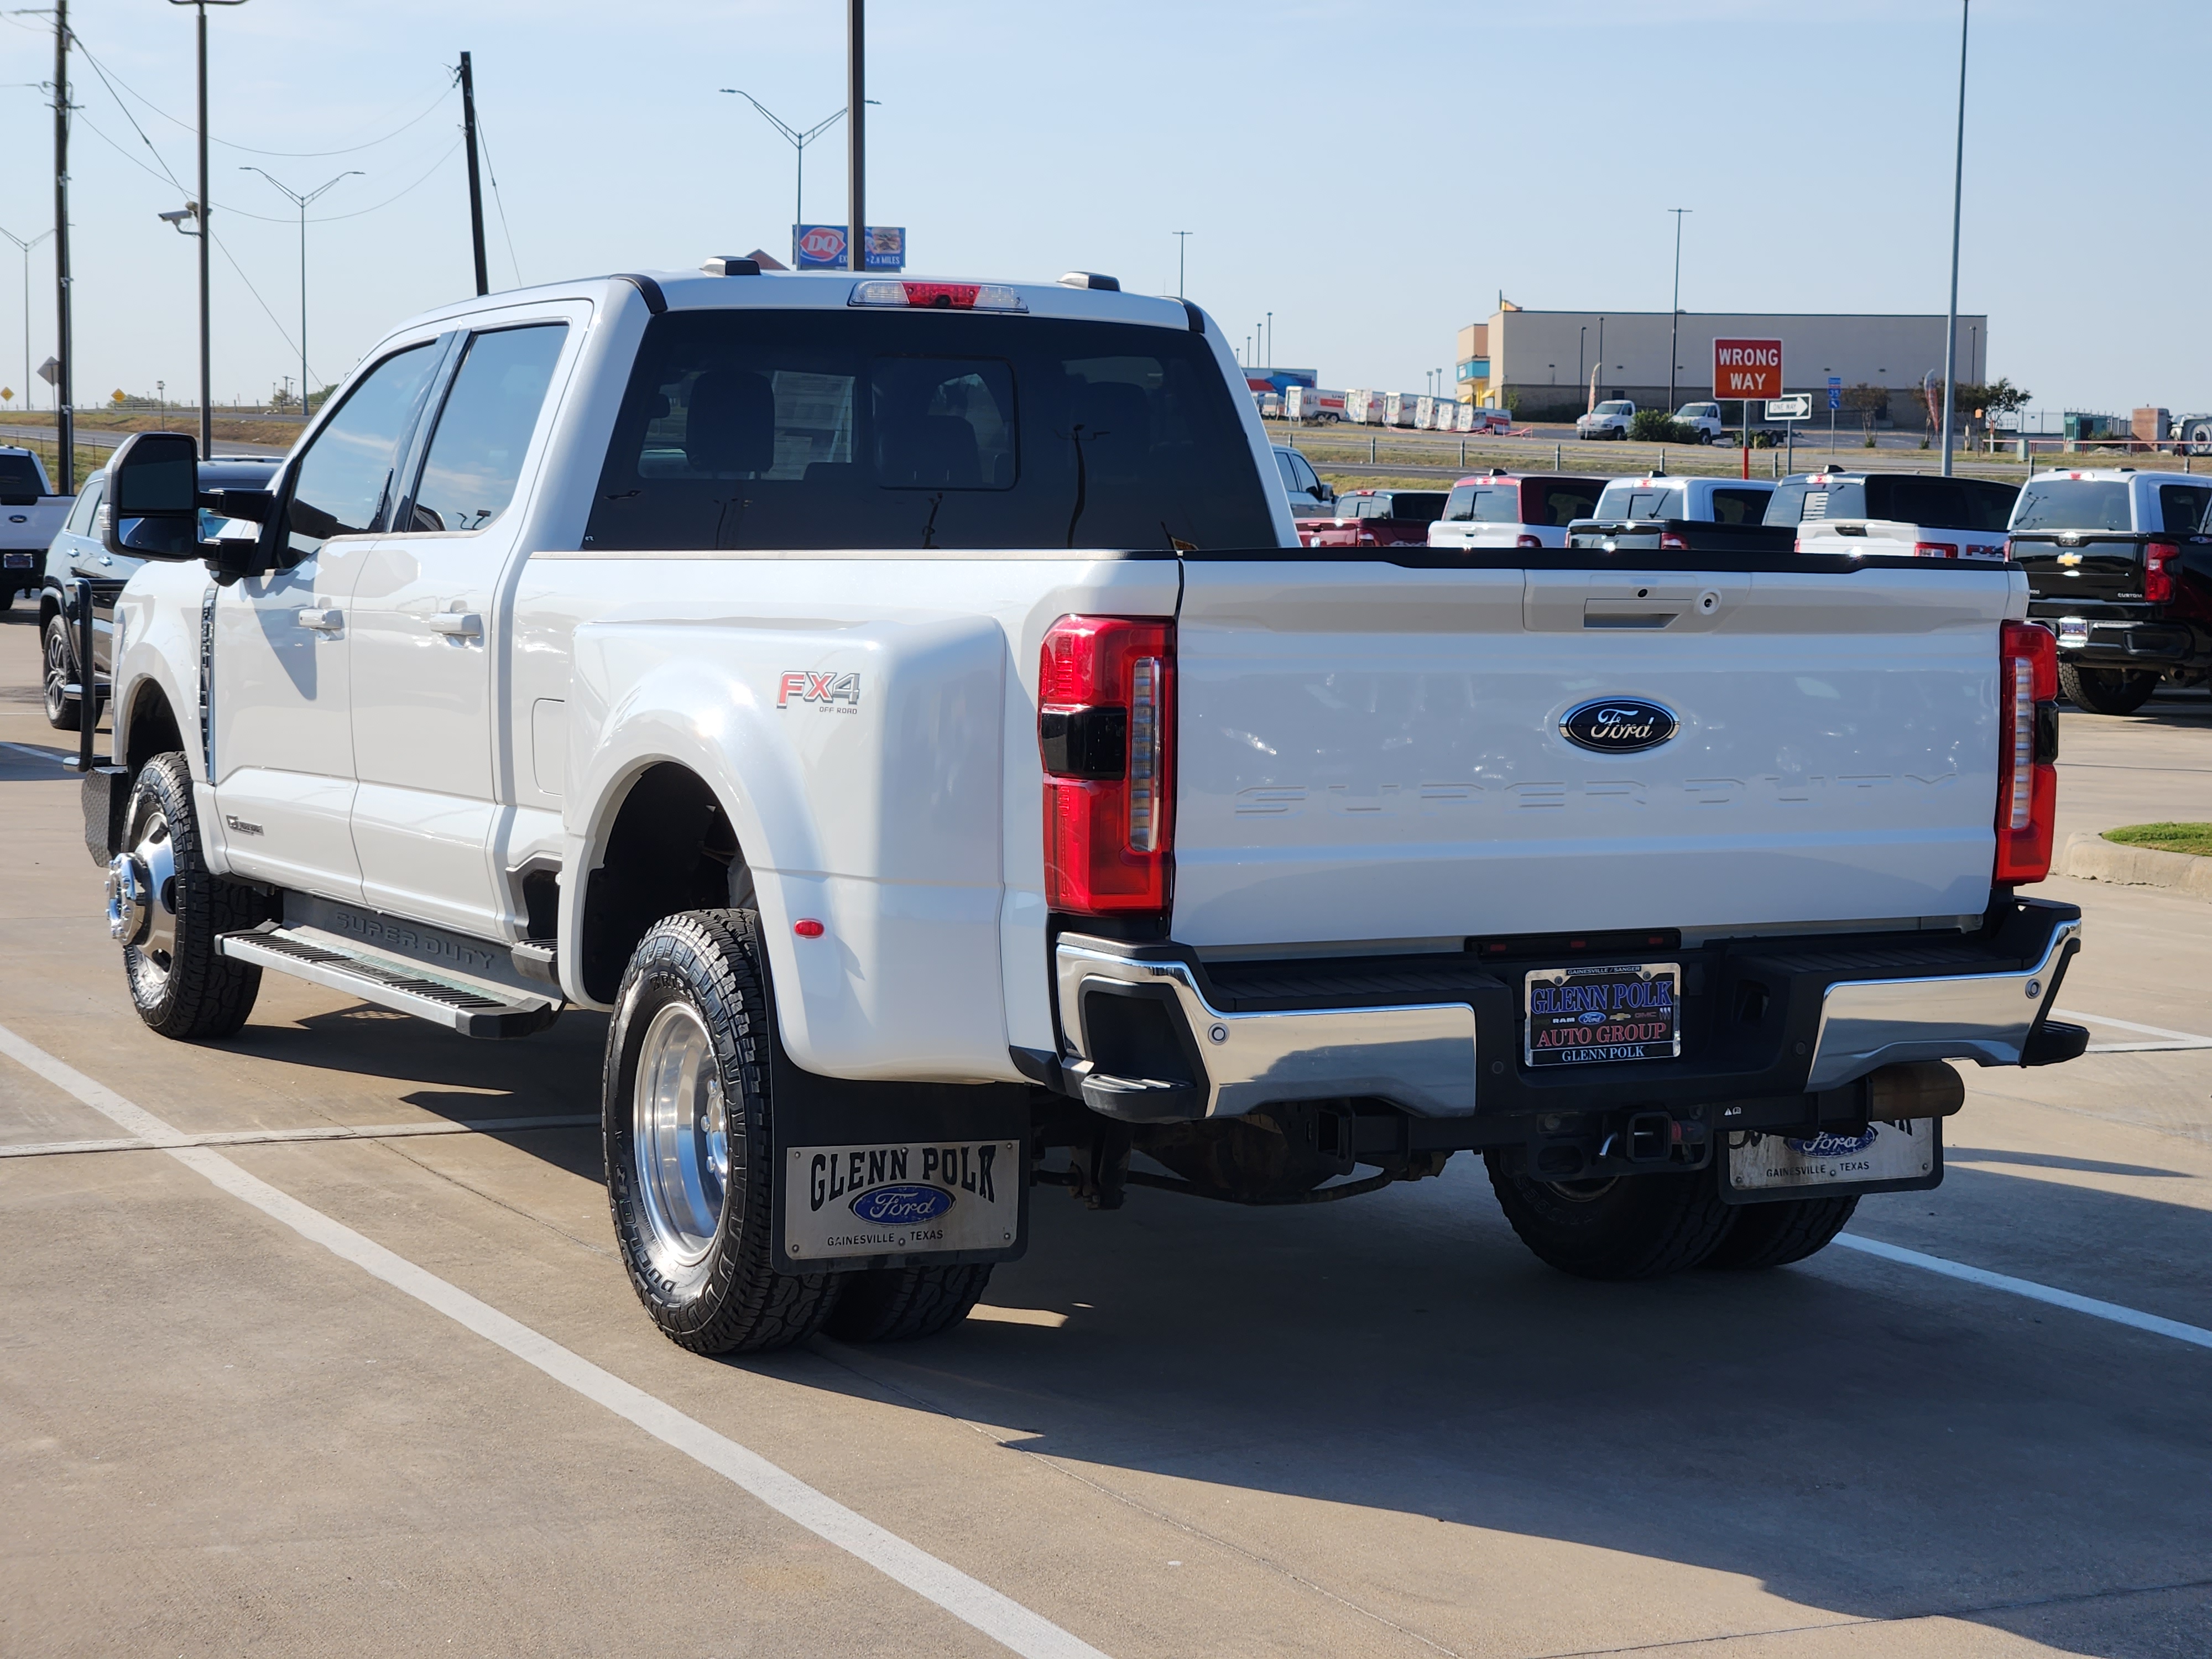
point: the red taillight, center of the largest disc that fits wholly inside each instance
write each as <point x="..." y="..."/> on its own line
<point x="1670" y="542"/>
<point x="2159" y="560"/>
<point x="1934" y="549"/>
<point x="2027" y="770"/>
<point x="1106" y="733"/>
<point x="1527" y="541"/>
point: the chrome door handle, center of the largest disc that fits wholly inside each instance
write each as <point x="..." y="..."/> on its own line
<point x="106" y="559"/>
<point x="322" y="621"/>
<point x="457" y="624"/>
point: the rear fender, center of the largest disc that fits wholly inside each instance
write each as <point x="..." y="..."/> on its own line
<point x="861" y="767"/>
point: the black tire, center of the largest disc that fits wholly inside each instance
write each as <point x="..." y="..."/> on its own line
<point x="2106" y="690"/>
<point x="898" y="1304"/>
<point x="7" y="600"/>
<point x="1643" y="1226"/>
<point x="711" y="1288"/>
<point x="181" y="987"/>
<point x="1775" y="1235"/>
<point x="59" y="669"/>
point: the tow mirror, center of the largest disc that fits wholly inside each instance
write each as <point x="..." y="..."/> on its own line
<point x="153" y="494"/>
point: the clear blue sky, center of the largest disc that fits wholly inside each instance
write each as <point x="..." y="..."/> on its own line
<point x="1373" y="173"/>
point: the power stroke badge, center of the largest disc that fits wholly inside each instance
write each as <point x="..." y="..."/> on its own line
<point x="894" y="1200"/>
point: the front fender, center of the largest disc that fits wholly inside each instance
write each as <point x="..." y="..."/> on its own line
<point x="859" y="764"/>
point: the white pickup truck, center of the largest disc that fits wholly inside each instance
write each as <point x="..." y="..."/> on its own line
<point x="30" y="516"/>
<point x="902" y="709"/>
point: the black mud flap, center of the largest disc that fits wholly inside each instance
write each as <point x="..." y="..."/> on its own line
<point x="890" y="1174"/>
<point x="1759" y="1167"/>
<point x="106" y="791"/>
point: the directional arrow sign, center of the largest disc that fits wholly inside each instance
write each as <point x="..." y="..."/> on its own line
<point x="1798" y="406"/>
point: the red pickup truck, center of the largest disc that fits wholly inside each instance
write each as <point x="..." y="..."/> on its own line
<point x="1375" y="518"/>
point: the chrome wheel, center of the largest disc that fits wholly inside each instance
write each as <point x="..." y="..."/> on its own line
<point x="142" y="894"/>
<point x="58" y="675"/>
<point x="680" y="1134"/>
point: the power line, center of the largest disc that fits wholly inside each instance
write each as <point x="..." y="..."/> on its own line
<point x="498" y="201"/>
<point x="289" y="343"/>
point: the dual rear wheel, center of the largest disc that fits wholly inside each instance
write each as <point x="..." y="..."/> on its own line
<point x="1647" y="1226"/>
<point x="688" y="1119"/>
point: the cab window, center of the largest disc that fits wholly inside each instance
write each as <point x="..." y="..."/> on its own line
<point x="476" y="453"/>
<point x="343" y="486"/>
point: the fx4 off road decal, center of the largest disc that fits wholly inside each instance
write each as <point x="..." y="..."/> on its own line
<point x="833" y="692"/>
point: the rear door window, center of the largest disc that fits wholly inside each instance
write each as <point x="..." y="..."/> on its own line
<point x="1306" y="478"/>
<point x="759" y="428"/>
<point x="2182" y="507"/>
<point x="485" y="427"/>
<point x="2073" y="504"/>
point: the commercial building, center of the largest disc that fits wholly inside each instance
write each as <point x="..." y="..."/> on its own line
<point x="1543" y="364"/>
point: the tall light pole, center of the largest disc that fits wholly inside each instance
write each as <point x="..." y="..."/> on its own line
<point x="856" y="134"/>
<point x="1182" y="242"/>
<point x="27" y="247"/>
<point x="301" y="202"/>
<point x="1957" y="187"/>
<point x="799" y="141"/>
<point x="1271" y="340"/>
<point x="205" y="210"/>
<point x="65" y="337"/>
<point x="1674" y="311"/>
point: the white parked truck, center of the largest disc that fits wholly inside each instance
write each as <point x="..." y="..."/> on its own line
<point x="1610" y="419"/>
<point x="901" y="708"/>
<point x="30" y="516"/>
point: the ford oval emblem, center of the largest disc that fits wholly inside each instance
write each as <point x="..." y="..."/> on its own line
<point x="1618" y="726"/>
<point x="897" y="1207"/>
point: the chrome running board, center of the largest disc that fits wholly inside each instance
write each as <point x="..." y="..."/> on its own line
<point x="473" y="1007"/>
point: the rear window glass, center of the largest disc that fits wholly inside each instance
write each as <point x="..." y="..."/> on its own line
<point x="1944" y="503"/>
<point x="18" y="476"/>
<point x="1419" y="506"/>
<point x="1498" y="503"/>
<point x="2073" y="504"/>
<point x="1560" y="502"/>
<point x="2182" y="506"/>
<point x="836" y="429"/>
<point x="1806" y="502"/>
<point x="1740" y="505"/>
<point x="1630" y="500"/>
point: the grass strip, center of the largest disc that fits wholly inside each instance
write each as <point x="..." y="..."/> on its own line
<point x="2166" y="837"/>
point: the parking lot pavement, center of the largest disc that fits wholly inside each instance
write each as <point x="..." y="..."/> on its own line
<point x="392" y="1394"/>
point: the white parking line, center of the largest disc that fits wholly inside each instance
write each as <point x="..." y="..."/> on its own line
<point x="2173" y="1040"/>
<point x="272" y="1137"/>
<point x="970" y="1599"/>
<point x="40" y="754"/>
<point x="2196" y="1335"/>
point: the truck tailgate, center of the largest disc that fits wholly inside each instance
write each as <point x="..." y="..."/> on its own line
<point x="1373" y="753"/>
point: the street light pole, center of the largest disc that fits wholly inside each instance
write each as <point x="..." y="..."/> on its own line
<point x="27" y="247"/>
<point x="1674" y="311"/>
<point x="1182" y="242"/>
<point x="799" y="141"/>
<point x="205" y="210"/>
<point x="1957" y="187"/>
<point x="301" y="202"/>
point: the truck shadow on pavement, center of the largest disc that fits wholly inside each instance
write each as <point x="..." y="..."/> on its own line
<point x="1863" y="1441"/>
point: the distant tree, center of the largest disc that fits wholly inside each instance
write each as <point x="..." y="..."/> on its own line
<point x="1999" y="396"/>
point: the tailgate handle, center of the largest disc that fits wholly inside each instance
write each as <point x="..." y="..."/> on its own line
<point x="1631" y="613"/>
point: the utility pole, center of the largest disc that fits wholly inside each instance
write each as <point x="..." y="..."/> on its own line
<point x="204" y="210"/>
<point x="1182" y="242"/>
<point x="301" y="202"/>
<point x="1674" y="311"/>
<point x="1958" y="187"/>
<point x="475" y="202"/>
<point x="856" y="117"/>
<point x="65" y="403"/>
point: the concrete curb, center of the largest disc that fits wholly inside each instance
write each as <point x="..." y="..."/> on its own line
<point x="2093" y="858"/>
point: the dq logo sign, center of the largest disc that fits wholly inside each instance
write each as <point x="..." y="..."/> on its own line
<point x="824" y="242"/>
<point x="830" y="690"/>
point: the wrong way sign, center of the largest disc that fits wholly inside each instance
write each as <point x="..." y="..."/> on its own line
<point x="1747" y="368"/>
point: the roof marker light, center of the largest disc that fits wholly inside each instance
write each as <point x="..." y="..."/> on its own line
<point x="938" y="296"/>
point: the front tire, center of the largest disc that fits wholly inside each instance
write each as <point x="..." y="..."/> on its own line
<point x="169" y="910"/>
<point x="1643" y="1226"/>
<point x="689" y="1123"/>
<point x="2106" y="690"/>
<point x="57" y="672"/>
<point x="1777" y="1234"/>
<point x="899" y="1305"/>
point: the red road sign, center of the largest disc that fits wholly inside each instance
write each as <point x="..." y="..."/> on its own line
<point x="1747" y="368"/>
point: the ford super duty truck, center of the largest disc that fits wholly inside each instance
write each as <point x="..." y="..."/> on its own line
<point x="903" y="711"/>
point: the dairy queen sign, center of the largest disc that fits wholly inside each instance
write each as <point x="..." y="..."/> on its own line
<point x="822" y="247"/>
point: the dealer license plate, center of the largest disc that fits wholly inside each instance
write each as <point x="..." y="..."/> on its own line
<point x="1884" y="1153"/>
<point x="1590" y="1016"/>
<point x="899" y="1199"/>
<point x="2072" y="632"/>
